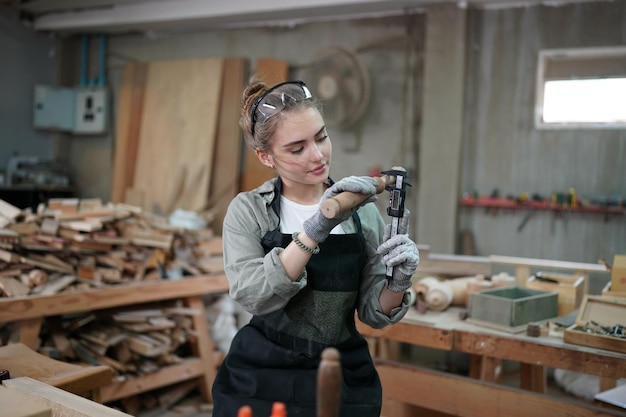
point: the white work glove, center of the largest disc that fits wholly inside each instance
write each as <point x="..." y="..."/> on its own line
<point x="318" y="227"/>
<point x="401" y="253"/>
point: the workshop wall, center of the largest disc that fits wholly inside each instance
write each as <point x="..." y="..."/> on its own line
<point x="28" y="58"/>
<point x="382" y="138"/>
<point x="501" y="147"/>
<point x="503" y="150"/>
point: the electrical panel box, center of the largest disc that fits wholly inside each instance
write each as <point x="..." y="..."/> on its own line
<point x="80" y="110"/>
<point x="91" y="110"/>
<point x="54" y="108"/>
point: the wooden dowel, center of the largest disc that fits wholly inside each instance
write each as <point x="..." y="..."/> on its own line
<point x="329" y="379"/>
<point x="332" y="207"/>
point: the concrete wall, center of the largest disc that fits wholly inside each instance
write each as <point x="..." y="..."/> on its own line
<point x="28" y="58"/>
<point x="383" y="137"/>
<point x="503" y="150"/>
<point x="500" y="147"/>
<point x="442" y="127"/>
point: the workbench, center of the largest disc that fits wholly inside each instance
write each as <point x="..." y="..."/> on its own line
<point x="408" y="386"/>
<point x="26" y="397"/>
<point x="27" y="314"/>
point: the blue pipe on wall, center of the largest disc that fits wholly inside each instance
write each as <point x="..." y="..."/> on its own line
<point x="102" y="71"/>
<point x="83" y="61"/>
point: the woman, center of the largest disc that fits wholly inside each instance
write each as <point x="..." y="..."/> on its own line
<point x="301" y="275"/>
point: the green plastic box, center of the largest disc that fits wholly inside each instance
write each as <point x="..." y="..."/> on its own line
<point x="512" y="307"/>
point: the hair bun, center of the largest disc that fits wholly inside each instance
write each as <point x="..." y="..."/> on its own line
<point x="253" y="90"/>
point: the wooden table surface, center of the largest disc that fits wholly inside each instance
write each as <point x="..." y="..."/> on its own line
<point x="406" y="386"/>
<point x="445" y="330"/>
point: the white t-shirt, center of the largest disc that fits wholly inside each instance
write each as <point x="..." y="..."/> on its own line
<point x="292" y="215"/>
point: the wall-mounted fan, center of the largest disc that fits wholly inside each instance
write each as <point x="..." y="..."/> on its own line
<point x="340" y="80"/>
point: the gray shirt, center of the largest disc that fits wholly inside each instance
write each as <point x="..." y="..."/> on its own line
<point x="258" y="281"/>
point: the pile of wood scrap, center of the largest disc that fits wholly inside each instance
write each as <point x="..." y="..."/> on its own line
<point x="77" y="244"/>
<point x="133" y="341"/>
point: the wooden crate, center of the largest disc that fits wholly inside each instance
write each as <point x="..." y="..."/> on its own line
<point x="618" y="273"/>
<point x="568" y="287"/>
<point x="607" y="291"/>
<point x="511" y="308"/>
<point x="605" y="311"/>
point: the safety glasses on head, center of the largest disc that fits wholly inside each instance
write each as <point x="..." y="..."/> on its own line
<point x="274" y="100"/>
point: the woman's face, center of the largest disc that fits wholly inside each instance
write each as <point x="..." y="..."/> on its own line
<point x="301" y="149"/>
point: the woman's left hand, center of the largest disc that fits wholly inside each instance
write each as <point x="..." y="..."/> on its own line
<point x="401" y="253"/>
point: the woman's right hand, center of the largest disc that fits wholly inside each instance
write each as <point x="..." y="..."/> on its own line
<point x="318" y="227"/>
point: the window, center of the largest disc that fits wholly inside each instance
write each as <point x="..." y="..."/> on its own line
<point x="581" y="88"/>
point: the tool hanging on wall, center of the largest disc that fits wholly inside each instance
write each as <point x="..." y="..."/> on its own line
<point x="397" y="195"/>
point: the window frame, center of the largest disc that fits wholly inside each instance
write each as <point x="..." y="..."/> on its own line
<point x="547" y="56"/>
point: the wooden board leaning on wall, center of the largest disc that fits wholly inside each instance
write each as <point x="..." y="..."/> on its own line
<point x="176" y="131"/>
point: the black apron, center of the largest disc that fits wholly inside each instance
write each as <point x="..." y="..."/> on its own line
<point x="275" y="357"/>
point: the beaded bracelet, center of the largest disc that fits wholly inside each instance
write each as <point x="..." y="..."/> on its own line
<point x="313" y="251"/>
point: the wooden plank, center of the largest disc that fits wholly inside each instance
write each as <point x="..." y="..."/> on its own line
<point x="587" y="361"/>
<point x="404" y="332"/>
<point x="533" y="378"/>
<point x="229" y="142"/>
<point x="548" y="264"/>
<point x="119" y="295"/>
<point x="22" y="361"/>
<point x="204" y="347"/>
<point x="8" y="210"/>
<point x="13" y="287"/>
<point x="188" y="369"/>
<point x="454" y="265"/>
<point x="178" y="127"/>
<point x="29" y="330"/>
<point x="465" y="397"/>
<point x="127" y="127"/>
<point x="15" y="404"/>
<point x="62" y="403"/>
<point x="271" y="71"/>
<point x="490" y="369"/>
<point x="550" y="352"/>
